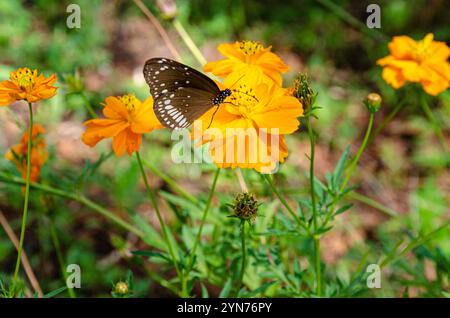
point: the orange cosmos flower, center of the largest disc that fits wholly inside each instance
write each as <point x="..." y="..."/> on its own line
<point x="18" y="153"/>
<point x="248" y="129"/>
<point x="25" y="84"/>
<point x="127" y="118"/>
<point x="423" y="61"/>
<point x="247" y="55"/>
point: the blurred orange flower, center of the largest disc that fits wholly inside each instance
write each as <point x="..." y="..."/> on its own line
<point x="18" y="153"/>
<point x="247" y="55"/>
<point x="248" y="129"/>
<point x="25" y="84"/>
<point x="423" y="61"/>
<point x="127" y="118"/>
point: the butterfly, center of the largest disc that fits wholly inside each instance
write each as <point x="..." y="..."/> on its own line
<point x="181" y="94"/>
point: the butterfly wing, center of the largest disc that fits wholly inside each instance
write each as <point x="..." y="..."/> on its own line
<point x="181" y="93"/>
<point x="178" y="109"/>
<point x="165" y="75"/>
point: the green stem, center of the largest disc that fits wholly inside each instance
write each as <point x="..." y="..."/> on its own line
<point x="244" y="254"/>
<point x="387" y="120"/>
<point x="76" y="197"/>
<point x="372" y="203"/>
<point x="88" y="105"/>
<point x="361" y="149"/>
<point x="25" y="204"/>
<point x="432" y="119"/>
<point x="199" y="234"/>
<point x="317" y="266"/>
<point x="285" y="204"/>
<point x="349" y="171"/>
<point x="189" y="42"/>
<point x="172" y="183"/>
<point x="152" y="198"/>
<point x="347" y="17"/>
<point x="59" y="255"/>
<point x="316" y="237"/>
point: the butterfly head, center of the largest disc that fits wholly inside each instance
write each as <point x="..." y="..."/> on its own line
<point x="220" y="98"/>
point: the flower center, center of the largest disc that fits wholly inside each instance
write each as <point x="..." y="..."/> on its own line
<point x="244" y="99"/>
<point x="130" y="101"/>
<point x="250" y="47"/>
<point x="422" y="49"/>
<point x="24" y="77"/>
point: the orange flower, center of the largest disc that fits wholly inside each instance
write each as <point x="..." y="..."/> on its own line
<point x="423" y="61"/>
<point x="25" y="84"/>
<point x="127" y="118"/>
<point x="247" y="55"/>
<point x="248" y="128"/>
<point x="18" y="153"/>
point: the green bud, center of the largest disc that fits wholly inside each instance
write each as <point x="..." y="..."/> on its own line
<point x="373" y="102"/>
<point x="74" y="83"/>
<point x="121" y="288"/>
<point x="245" y="206"/>
<point x="303" y="91"/>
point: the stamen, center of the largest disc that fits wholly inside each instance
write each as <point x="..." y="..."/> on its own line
<point x="129" y="101"/>
<point x="250" y="47"/>
<point x="24" y="77"/>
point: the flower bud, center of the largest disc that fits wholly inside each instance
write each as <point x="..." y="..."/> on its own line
<point x="373" y="102"/>
<point x="168" y="9"/>
<point x="74" y="83"/>
<point x="245" y="206"/>
<point x="121" y="288"/>
<point x="303" y="91"/>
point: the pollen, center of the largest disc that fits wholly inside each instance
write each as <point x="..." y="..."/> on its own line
<point x="250" y="47"/>
<point x="24" y="77"/>
<point x="129" y="101"/>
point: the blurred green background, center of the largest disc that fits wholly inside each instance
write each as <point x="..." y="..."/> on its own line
<point x="404" y="169"/>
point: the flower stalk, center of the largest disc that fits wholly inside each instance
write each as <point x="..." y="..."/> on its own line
<point x="361" y="149"/>
<point x="244" y="255"/>
<point x="434" y="123"/>
<point x="185" y="292"/>
<point x="78" y="198"/>
<point x="152" y="198"/>
<point x="315" y="237"/>
<point x="26" y="199"/>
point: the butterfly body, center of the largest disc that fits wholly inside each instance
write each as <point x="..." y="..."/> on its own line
<point x="181" y="94"/>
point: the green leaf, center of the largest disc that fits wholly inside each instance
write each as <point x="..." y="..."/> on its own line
<point x="226" y="289"/>
<point x="151" y="254"/>
<point x="205" y="293"/>
<point x="339" y="169"/>
<point x="261" y="289"/>
<point x="55" y="292"/>
<point x="343" y="209"/>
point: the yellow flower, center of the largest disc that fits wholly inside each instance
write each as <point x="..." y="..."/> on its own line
<point x="247" y="55"/>
<point x="18" y="153"/>
<point x="127" y="118"/>
<point x="248" y="129"/>
<point x="423" y="61"/>
<point x="25" y="84"/>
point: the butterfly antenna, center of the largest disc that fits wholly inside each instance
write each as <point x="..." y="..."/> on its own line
<point x="243" y="75"/>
